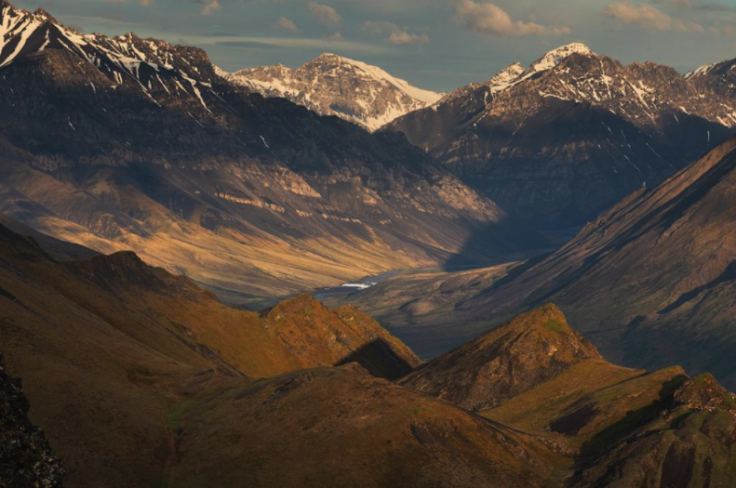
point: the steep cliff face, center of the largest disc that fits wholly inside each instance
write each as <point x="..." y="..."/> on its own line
<point x="26" y="460"/>
<point x="333" y="85"/>
<point x="573" y="133"/>
<point x="133" y="144"/>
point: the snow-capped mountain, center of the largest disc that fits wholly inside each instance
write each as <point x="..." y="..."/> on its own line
<point x="717" y="79"/>
<point x="134" y="144"/>
<point x="153" y="66"/>
<point x="333" y="85"/>
<point x="571" y="134"/>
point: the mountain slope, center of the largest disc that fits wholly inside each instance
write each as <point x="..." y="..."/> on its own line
<point x="132" y="144"/>
<point x="108" y="347"/>
<point x="333" y="85"/>
<point x="649" y="281"/>
<point x="571" y="135"/>
<point x="139" y="378"/>
<point x="612" y="426"/>
<point x="340" y="427"/>
<point x="515" y="357"/>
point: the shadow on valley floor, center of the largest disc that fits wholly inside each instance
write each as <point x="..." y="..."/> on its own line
<point x="518" y="241"/>
<point x="380" y="360"/>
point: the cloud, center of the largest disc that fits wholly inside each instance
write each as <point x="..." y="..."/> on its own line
<point x="398" y="36"/>
<point x="714" y="7"/>
<point x="379" y="28"/>
<point x="324" y="44"/>
<point x="681" y="3"/>
<point x="248" y="44"/>
<point x="406" y="39"/>
<point x="285" y="24"/>
<point x="491" y="19"/>
<point x="325" y="14"/>
<point x="145" y="3"/>
<point x="211" y="7"/>
<point x="648" y="17"/>
<point x="727" y="30"/>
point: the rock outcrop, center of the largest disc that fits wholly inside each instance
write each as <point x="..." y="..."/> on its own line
<point x="26" y="460"/>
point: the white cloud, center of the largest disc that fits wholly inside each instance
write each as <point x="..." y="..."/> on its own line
<point x="407" y="39"/>
<point x="492" y="19"/>
<point x="325" y="14"/>
<point x="380" y="28"/>
<point x="285" y="24"/>
<point x="648" y="17"/>
<point x="210" y="8"/>
<point x="399" y="36"/>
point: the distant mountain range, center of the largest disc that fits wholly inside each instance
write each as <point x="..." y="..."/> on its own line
<point x="554" y="143"/>
<point x="573" y="133"/>
<point x="134" y="144"/>
<point x="333" y="85"/>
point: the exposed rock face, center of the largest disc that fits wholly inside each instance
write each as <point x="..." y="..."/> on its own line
<point x="332" y="85"/>
<point x="572" y="134"/>
<point x="705" y="393"/>
<point x="133" y="144"/>
<point x="531" y="349"/>
<point x="26" y="460"/>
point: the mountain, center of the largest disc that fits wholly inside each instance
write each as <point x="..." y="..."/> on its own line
<point x="612" y="426"/>
<point x="715" y="78"/>
<point x="129" y="144"/>
<point x="572" y="134"/>
<point x="500" y="365"/>
<point x="25" y="455"/>
<point x="139" y="379"/>
<point x="110" y="350"/>
<point x="649" y="282"/>
<point x="333" y="85"/>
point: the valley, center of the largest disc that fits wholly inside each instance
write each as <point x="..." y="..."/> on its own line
<point x="267" y="265"/>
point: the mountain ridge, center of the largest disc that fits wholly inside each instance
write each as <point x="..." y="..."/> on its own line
<point x="334" y="85"/>
<point x="572" y="134"/>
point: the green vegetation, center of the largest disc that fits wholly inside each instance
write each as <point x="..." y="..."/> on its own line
<point x="555" y="325"/>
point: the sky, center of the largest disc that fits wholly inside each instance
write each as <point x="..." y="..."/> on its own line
<point x="434" y="44"/>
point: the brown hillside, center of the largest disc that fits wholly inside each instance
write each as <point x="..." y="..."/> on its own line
<point x="532" y="348"/>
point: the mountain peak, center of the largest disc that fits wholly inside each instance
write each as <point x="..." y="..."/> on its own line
<point x="533" y="347"/>
<point x="556" y="56"/>
<point x="43" y="14"/>
<point x="506" y="77"/>
<point x="331" y="84"/>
